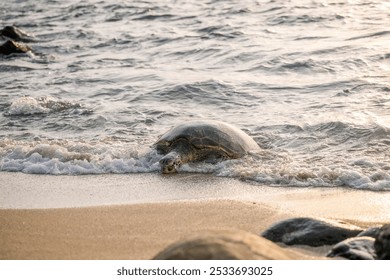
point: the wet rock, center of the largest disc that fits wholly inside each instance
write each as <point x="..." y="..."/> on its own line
<point x="355" y="248"/>
<point x="311" y="232"/>
<point x="11" y="47"/>
<point x="15" y="34"/>
<point x="227" y="245"/>
<point x="382" y="243"/>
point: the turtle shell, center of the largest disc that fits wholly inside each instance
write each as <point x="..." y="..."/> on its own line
<point x="213" y="136"/>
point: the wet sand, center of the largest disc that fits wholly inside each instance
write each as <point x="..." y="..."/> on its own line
<point x="121" y="232"/>
<point x="136" y="216"/>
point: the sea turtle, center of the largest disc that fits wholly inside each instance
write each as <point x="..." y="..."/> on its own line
<point x="202" y="140"/>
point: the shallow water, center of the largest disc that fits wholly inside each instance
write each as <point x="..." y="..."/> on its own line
<point x="308" y="80"/>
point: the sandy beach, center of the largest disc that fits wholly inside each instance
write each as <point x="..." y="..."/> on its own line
<point x="121" y="232"/>
<point x="136" y="216"/>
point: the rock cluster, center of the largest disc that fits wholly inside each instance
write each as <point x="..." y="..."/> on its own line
<point x="15" y="39"/>
<point x="349" y="241"/>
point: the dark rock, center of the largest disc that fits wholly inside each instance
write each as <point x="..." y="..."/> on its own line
<point x="371" y="232"/>
<point x="227" y="245"/>
<point x="311" y="232"/>
<point x="355" y="248"/>
<point x="11" y="47"/>
<point x="15" y="33"/>
<point x="382" y="243"/>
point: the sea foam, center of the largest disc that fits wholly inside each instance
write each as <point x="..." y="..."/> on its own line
<point x="65" y="157"/>
<point x="28" y="105"/>
<point x="73" y="158"/>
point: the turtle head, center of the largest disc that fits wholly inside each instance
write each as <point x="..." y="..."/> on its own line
<point x="170" y="163"/>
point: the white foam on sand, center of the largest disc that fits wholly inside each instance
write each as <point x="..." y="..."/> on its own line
<point x="68" y="157"/>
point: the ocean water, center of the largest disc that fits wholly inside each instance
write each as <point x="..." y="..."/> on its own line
<point x="308" y="80"/>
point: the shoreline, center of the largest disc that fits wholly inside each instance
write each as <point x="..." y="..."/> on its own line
<point x="37" y="191"/>
<point x="135" y="216"/>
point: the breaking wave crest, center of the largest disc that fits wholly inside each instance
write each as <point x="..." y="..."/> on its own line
<point x="28" y="105"/>
<point x="271" y="167"/>
<point x="64" y="157"/>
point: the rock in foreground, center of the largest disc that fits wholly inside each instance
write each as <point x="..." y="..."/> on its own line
<point x="227" y="245"/>
<point x="355" y="248"/>
<point x="382" y="243"/>
<point x="311" y="232"/>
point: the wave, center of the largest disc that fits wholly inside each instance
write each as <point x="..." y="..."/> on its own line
<point x="28" y="105"/>
<point x="302" y="19"/>
<point x="295" y="156"/>
<point x="206" y="93"/>
<point x="219" y="31"/>
<point x="65" y="157"/>
<point x="57" y="160"/>
<point x="155" y="17"/>
<point x="370" y="35"/>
